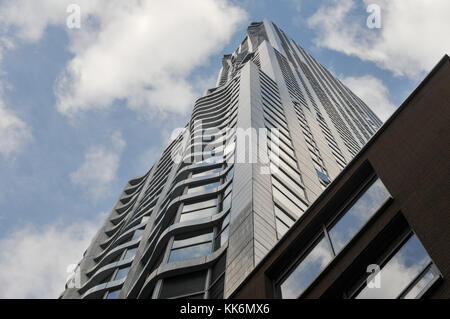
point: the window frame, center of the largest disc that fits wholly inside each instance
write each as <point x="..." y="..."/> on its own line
<point x="323" y="232"/>
<point x="383" y="259"/>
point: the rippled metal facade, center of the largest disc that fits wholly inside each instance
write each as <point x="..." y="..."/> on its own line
<point x="204" y="215"/>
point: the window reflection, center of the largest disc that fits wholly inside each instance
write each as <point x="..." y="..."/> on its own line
<point x="207" y="172"/>
<point x="226" y="203"/>
<point x="137" y="234"/>
<point x="121" y="273"/>
<point x="229" y="175"/>
<point x="422" y="284"/>
<point x="354" y="218"/>
<point x="199" y="205"/>
<point x="114" y="294"/>
<point x="179" y="242"/>
<point x="307" y="270"/>
<point x="203" y="188"/>
<point x="323" y="176"/>
<point x="191" y="247"/>
<point x="184" y="286"/>
<point x="199" y="210"/>
<point x="400" y="271"/>
<point x="201" y="213"/>
<point x="130" y="253"/>
<point x="340" y="233"/>
<point x="223" y="232"/>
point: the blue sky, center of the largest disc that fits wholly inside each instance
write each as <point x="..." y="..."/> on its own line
<point x="84" y="110"/>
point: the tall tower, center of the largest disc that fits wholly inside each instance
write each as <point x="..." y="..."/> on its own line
<point x="258" y="150"/>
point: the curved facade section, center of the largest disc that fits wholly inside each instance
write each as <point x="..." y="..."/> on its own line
<point x="258" y="149"/>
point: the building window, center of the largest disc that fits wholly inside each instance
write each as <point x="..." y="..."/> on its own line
<point x="217" y="279"/>
<point x="407" y="273"/>
<point x="207" y="172"/>
<point x="121" y="273"/>
<point x="226" y="202"/>
<point x="229" y="175"/>
<point x="307" y="270"/>
<point x="113" y="294"/>
<point x="191" y="246"/>
<point x="323" y="177"/>
<point x="199" y="210"/>
<point x="187" y="286"/>
<point x="137" y="234"/>
<point x="203" y="188"/>
<point x="332" y="238"/>
<point x="222" y="233"/>
<point x="131" y="252"/>
<point x="357" y="215"/>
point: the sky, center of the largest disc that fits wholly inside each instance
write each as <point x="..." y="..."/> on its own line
<point x="83" y="110"/>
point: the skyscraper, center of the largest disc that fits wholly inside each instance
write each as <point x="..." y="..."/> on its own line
<point x="259" y="148"/>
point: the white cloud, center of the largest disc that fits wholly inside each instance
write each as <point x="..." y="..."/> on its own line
<point x="373" y="92"/>
<point x="33" y="261"/>
<point x="394" y="277"/>
<point x="14" y="132"/>
<point x="99" y="169"/>
<point x="138" y="51"/>
<point x="412" y="39"/>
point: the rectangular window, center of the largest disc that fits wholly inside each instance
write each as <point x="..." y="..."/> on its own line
<point x="191" y="248"/>
<point x="226" y="203"/>
<point x="203" y="188"/>
<point x="340" y="231"/>
<point x="307" y="270"/>
<point x="183" y="285"/>
<point x="182" y="241"/>
<point x="197" y="214"/>
<point x="113" y="294"/>
<point x="229" y="175"/>
<point x="407" y="273"/>
<point x="222" y="237"/>
<point x="207" y="172"/>
<point x="323" y="177"/>
<point x="121" y="273"/>
<point x="137" y="234"/>
<point x="358" y="214"/>
<point x="200" y="205"/>
<point x="130" y="253"/>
